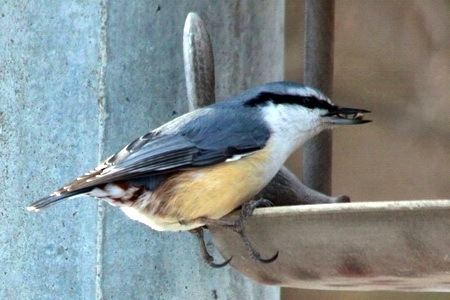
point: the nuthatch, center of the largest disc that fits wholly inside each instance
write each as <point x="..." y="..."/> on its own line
<point x="197" y="168"/>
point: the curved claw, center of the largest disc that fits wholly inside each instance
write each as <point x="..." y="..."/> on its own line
<point x="254" y="254"/>
<point x="218" y="266"/>
<point x="207" y="258"/>
<point x="238" y="227"/>
<point x="269" y="260"/>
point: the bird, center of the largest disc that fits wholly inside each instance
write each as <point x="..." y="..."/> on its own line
<point x="200" y="166"/>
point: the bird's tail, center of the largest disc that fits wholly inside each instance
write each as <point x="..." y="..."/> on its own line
<point x="54" y="198"/>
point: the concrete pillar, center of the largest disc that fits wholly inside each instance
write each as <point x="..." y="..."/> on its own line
<point x="78" y="80"/>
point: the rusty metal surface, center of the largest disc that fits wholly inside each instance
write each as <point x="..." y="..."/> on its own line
<point x="401" y="245"/>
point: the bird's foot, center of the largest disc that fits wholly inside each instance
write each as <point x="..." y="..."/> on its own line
<point x="238" y="227"/>
<point x="207" y="258"/>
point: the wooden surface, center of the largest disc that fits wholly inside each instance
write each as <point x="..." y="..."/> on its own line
<point x="401" y="245"/>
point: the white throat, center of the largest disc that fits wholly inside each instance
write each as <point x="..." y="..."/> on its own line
<point x="291" y="126"/>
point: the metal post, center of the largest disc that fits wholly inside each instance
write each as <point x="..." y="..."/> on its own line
<point x="319" y="37"/>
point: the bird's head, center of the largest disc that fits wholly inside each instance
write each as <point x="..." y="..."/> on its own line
<point x="296" y="111"/>
<point x="305" y="105"/>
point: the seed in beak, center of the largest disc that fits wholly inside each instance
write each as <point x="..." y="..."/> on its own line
<point x="358" y="116"/>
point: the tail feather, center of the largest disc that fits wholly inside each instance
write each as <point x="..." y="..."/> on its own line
<point x="54" y="198"/>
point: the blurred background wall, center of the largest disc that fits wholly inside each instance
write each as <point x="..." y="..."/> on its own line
<point x="393" y="58"/>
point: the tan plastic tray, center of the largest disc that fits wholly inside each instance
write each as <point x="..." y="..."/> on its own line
<point x="401" y="245"/>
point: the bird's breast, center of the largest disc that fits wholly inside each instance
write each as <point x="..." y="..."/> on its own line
<point x="211" y="192"/>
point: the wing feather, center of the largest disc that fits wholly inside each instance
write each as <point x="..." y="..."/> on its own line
<point x="203" y="137"/>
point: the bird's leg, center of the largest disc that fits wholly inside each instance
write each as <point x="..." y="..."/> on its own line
<point x="238" y="226"/>
<point x="286" y="189"/>
<point x="198" y="233"/>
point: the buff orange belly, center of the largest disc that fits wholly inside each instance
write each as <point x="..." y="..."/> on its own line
<point x="210" y="192"/>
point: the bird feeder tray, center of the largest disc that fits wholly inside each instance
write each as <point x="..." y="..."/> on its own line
<point x="395" y="245"/>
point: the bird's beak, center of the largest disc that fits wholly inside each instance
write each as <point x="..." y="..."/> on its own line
<point x="346" y="116"/>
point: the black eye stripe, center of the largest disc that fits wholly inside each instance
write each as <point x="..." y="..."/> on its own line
<point x="311" y="102"/>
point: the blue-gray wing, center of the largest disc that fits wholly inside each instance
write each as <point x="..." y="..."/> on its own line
<point x="201" y="139"/>
<point x="204" y="137"/>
